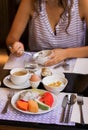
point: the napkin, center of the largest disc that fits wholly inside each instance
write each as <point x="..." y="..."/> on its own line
<point x="14" y="61"/>
<point x="75" y="117"/>
<point x="81" y="66"/>
<point x="3" y="96"/>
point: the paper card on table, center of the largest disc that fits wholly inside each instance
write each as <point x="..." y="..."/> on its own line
<point x="81" y="66"/>
<point x="17" y="61"/>
<point x="75" y="117"/>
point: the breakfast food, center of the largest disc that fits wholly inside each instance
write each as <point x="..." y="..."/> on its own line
<point x="32" y="106"/>
<point x="42" y="105"/>
<point x="55" y="84"/>
<point x="27" y="95"/>
<point x="32" y="101"/>
<point x="45" y="72"/>
<point x="35" y="81"/>
<point x="23" y="105"/>
<point x="34" y="78"/>
<point x="47" y="98"/>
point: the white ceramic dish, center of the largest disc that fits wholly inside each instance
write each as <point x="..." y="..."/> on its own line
<point x="15" y="97"/>
<point x="42" y="56"/>
<point x="7" y="82"/>
<point x="54" y="80"/>
<point x="19" y="75"/>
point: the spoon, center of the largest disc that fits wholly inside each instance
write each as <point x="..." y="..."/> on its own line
<point x="71" y="101"/>
<point x="63" y="64"/>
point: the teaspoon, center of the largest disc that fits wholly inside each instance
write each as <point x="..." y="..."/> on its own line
<point x="71" y="101"/>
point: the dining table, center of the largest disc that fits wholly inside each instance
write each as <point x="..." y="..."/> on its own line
<point x="77" y="76"/>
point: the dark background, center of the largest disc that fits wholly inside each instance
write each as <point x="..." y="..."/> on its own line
<point x="8" y="10"/>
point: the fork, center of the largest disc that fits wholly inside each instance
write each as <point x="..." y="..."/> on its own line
<point x="7" y="103"/>
<point x="80" y="103"/>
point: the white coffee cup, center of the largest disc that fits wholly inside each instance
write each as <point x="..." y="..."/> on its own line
<point x="19" y="76"/>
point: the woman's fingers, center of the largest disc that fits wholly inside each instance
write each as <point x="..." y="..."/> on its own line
<point x="50" y="62"/>
<point x="56" y="56"/>
<point x="17" y="49"/>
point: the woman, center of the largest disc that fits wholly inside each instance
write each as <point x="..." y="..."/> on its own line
<point x="58" y="25"/>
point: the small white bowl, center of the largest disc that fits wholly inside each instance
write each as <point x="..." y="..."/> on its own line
<point x="19" y="76"/>
<point x="42" y="56"/>
<point x="55" y="87"/>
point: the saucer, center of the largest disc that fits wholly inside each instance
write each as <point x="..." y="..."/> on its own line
<point x="9" y="84"/>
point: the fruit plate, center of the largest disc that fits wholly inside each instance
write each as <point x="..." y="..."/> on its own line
<point x="34" y="92"/>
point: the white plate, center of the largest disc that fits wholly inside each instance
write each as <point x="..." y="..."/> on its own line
<point x="9" y="84"/>
<point x="16" y="96"/>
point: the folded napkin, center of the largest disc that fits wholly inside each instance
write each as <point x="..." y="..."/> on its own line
<point x="75" y="117"/>
<point x="14" y="61"/>
<point x="81" y="66"/>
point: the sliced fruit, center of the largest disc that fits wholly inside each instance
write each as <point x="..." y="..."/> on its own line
<point x="42" y="105"/>
<point x="22" y="105"/>
<point x="47" y="98"/>
<point x="32" y="106"/>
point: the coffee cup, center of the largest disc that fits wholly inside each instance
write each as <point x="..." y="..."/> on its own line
<point x="19" y="76"/>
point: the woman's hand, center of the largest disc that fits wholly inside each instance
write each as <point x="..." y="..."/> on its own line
<point x="57" y="56"/>
<point x="17" y="48"/>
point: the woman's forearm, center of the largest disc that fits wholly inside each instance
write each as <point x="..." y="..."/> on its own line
<point x="77" y="52"/>
<point x="20" y="22"/>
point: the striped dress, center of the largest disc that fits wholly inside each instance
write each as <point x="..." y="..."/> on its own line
<point x="42" y="37"/>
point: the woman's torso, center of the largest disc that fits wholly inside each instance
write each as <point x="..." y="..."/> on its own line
<point x="41" y="35"/>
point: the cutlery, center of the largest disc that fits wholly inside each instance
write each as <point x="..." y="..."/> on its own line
<point x="7" y="103"/>
<point x="32" y="67"/>
<point x="25" y="52"/>
<point x="70" y="102"/>
<point x="80" y="103"/>
<point x="28" y="53"/>
<point x="66" y="66"/>
<point x="63" y="64"/>
<point x="64" y="104"/>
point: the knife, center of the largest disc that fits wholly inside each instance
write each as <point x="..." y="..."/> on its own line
<point x="64" y="104"/>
